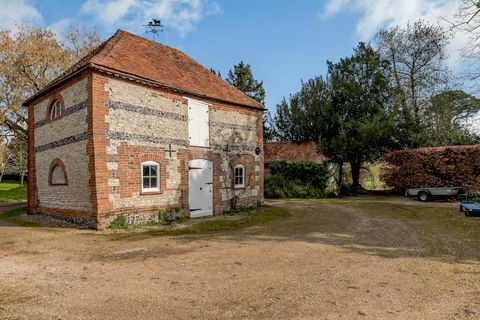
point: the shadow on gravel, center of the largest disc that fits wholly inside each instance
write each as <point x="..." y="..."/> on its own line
<point x="390" y="230"/>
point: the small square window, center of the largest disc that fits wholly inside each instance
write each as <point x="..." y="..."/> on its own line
<point x="150" y="176"/>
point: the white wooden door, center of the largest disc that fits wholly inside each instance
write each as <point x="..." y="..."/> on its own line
<point x="198" y="125"/>
<point x="200" y="192"/>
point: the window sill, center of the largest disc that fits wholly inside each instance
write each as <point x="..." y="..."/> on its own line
<point x="239" y="188"/>
<point x="153" y="192"/>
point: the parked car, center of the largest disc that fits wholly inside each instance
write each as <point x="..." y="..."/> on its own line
<point x="427" y="194"/>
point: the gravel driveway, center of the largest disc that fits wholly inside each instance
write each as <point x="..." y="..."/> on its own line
<point x="335" y="259"/>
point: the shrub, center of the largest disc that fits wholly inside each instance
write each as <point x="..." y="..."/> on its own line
<point x="433" y="167"/>
<point x="277" y="186"/>
<point x="165" y="217"/>
<point x="120" y="222"/>
<point x="304" y="171"/>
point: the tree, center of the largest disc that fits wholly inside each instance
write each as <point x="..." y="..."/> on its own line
<point x="467" y="21"/>
<point x="3" y="156"/>
<point x="447" y="117"/>
<point x="417" y="72"/>
<point x="241" y="77"/>
<point x="350" y="113"/>
<point x="29" y="59"/>
<point x="360" y="114"/>
<point x="303" y="116"/>
<point x="216" y="72"/>
<point x="17" y="158"/>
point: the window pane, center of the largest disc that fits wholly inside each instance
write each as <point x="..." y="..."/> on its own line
<point x="153" y="183"/>
<point x="145" y="171"/>
<point x="153" y="171"/>
<point x="240" y="180"/>
<point x="146" y="182"/>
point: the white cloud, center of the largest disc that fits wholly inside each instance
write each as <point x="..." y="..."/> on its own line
<point x="180" y="15"/>
<point x="18" y="11"/>
<point x="377" y="14"/>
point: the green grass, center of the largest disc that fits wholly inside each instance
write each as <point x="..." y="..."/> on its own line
<point x="244" y="219"/>
<point x="12" y="191"/>
<point x="12" y="216"/>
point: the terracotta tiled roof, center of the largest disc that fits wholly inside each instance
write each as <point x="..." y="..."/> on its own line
<point x="290" y="151"/>
<point x="132" y="55"/>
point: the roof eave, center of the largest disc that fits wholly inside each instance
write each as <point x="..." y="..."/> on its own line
<point x="51" y="87"/>
<point x="135" y="78"/>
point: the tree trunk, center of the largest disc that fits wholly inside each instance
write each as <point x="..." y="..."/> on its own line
<point x="340" y="176"/>
<point x="1" y="177"/>
<point x="22" y="176"/>
<point x="356" y="166"/>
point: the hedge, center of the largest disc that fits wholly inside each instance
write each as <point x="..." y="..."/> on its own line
<point x="433" y="167"/>
<point x="300" y="179"/>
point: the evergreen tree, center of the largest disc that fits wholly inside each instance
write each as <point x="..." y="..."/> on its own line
<point x="362" y="120"/>
<point x="216" y="72"/>
<point x="241" y="77"/>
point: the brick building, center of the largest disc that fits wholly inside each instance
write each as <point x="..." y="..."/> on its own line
<point x="136" y="127"/>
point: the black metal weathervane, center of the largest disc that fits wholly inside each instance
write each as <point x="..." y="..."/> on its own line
<point x="155" y="26"/>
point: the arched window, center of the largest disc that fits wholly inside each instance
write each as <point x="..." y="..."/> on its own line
<point x="150" y="176"/>
<point x="57" y="175"/>
<point x="239" y="176"/>
<point x="56" y="110"/>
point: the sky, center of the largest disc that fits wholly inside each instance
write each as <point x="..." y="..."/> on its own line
<point x="284" y="41"/>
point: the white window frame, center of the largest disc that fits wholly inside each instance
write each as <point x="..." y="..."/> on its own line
<point x="56" y="112"/>
<point x="239" y="185"/>
<point x="150" y="163"/>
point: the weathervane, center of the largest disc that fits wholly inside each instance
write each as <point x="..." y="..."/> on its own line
<point x="155" y="26"/>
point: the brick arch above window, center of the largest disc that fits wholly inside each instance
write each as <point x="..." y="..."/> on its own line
<point x="154" y="157"/>
<point x="57" y="175"/>
<point x="54" y="99"/>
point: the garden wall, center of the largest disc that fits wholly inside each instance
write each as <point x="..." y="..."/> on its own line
<point x="433" y="167"/>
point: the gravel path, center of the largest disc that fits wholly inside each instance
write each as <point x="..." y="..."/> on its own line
<point x="327" y="260"/>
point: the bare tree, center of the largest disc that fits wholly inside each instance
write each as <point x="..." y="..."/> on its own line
<point x="17" y="158"/>
<point x="3" y="156"/>
<point x="29" y="59"/>
<point x="467" y="20"/>
<point x="417" y="69"/>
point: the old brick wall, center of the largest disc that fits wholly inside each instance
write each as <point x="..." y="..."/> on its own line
<point x="64" y="139"/>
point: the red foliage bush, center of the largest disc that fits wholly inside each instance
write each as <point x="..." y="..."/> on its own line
<point x="433" y="167"/>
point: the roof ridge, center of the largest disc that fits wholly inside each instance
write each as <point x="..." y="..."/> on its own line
<point x="108" y="45"/>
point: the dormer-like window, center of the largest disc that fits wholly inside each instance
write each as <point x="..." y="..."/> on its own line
<point x="56" y="111"/>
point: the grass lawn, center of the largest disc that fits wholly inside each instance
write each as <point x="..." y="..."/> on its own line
<point x="12" y="191"/>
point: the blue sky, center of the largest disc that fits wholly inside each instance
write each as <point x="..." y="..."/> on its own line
<point x="284" y="41"/>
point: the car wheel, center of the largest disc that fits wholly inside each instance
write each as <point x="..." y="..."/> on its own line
<point x="423" y="196"/>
